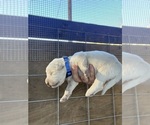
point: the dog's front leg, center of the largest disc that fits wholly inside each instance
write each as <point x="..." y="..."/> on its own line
<point x="68" y="92"/>
<point x="95" y="88"/>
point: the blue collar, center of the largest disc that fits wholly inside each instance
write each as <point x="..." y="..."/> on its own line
<point x="67" y="65"/>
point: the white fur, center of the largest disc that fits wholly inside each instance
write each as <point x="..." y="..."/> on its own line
<point x="134" y="71"/>
<point x="107" y="69"/>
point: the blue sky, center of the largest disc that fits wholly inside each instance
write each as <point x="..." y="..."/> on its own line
<point x="102" y="12"/>
<point x="14" y="7"/>
<point x="136" y="13"/>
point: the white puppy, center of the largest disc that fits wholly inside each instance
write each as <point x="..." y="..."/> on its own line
<point x="134" y="71"/>
<point x="108" y="72"/>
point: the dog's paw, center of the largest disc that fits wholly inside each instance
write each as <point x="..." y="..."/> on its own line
<point x="66" y="96"/>
<point x="89" y="93"/>
<point x="63" y="100"/>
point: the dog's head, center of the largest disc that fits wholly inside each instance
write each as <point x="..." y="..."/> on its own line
<point x="56" y="73"/>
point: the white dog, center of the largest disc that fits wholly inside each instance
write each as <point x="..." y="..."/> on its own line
<point x="108" y="72"/>
<point x="134" y="71"/>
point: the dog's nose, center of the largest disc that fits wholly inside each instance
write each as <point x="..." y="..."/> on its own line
<point x="47" y="83"/>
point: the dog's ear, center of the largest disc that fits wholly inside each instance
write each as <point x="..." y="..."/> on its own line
<point x="60" y="65"/>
